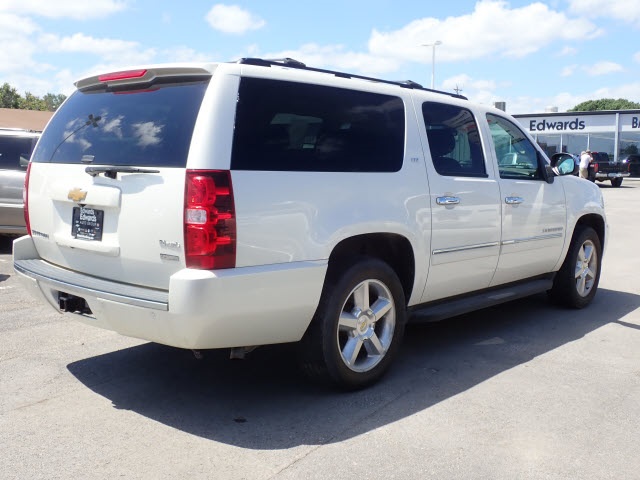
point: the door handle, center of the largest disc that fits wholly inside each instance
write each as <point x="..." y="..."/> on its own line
<point x="447" y="200"/>
<point x="513" y="200"/>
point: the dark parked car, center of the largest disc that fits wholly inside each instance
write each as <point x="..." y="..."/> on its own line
<point x="634" y="164"/>
<point x="602" y="169"/>
<point x="16" y="146"/>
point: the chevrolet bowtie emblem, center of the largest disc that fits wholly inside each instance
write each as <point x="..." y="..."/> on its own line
<point x="77" y="195"/>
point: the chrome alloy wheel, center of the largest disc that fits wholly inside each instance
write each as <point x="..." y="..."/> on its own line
<point x="586" y="268"/>
<point x="366" y="324"/>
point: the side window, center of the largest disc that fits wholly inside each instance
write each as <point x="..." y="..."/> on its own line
<point x="517" y="157"/>
<point x="15" y="152"/>
<point x="454" y="140"/>
<point x="288" y="126"/>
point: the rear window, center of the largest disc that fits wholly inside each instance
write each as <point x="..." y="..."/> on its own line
<point x="302" y="127"/>
<point x="139" y="127"/>
<point x="15" y="152"/>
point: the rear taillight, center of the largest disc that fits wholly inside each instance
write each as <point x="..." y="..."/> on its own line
<point x="595" y="167"/>
<point x="25" y="199"/>
<point x="209" y="220"/>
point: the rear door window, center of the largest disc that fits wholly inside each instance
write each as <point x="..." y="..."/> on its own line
<point x="151" y="127"/>
<point x="454" y="140"/>
<point x="15" y="152"/>
<point x="303" y="127"/>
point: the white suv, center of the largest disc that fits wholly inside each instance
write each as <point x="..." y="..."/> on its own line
<point x="233" y="205"/>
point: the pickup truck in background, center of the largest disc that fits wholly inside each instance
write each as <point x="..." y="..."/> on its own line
<point x="601" y="169"/>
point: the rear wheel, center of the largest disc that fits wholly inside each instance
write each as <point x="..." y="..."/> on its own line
<point x="359" y="324"/>
<point x="576" y="283"/>
<point x="616" y="182"/>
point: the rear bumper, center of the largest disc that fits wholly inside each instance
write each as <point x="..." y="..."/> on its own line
<point x="602" y="175"/>
<point x="202" y="309"/>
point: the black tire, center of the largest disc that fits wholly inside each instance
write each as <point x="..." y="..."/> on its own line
<point x="348" y="325"/>
<point x="576" y="283"/>
<point x="616" y="182"/>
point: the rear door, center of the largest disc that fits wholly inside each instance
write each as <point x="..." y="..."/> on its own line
<point x="465" y="203"/>
<point x="107" y="180"/>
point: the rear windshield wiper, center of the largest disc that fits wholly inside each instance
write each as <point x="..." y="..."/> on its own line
<point x="113" y="171"/>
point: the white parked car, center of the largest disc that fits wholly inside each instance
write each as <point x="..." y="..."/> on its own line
<point x="16" y="145"/>
<point x="233" y="205"/>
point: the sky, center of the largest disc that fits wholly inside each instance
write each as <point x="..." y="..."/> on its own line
<point x="529" y="54"/>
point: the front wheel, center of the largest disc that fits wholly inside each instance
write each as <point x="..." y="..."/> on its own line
<point x="576" y="283"/>
<point x="358" y="326"/>
<point x="616" y="182"/>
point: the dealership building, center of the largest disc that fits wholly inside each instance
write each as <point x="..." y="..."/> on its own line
<point x="615" y="132"/>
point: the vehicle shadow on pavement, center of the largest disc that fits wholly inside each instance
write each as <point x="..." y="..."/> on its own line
<point x="264" y="403"/>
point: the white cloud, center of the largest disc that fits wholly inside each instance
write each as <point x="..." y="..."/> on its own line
<point x="493" y="28"/>
<point x="568" y="70"/>
<point x="603" y="68"/>
<point x="64" y="8"/>
<point x="186" y="54"/>
<point x="336" y="57"/>
<point x="467" y="83"/>
<point x="567" y="51"/>
<point x="564" y="100"/>
<point x="16" y="31"/>
<point x="627" y="11"/>
<point x="111" y="50"/>
<point x="233" y="19"/>
<point x="477" y="90"/>
<point x="148" y="133"/>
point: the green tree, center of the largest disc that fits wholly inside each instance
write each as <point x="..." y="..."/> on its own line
<point x="32" y="102"/>
<point x="53" y="101"/>
<point x="605" y="104"/>
<point x="9" y="97"/>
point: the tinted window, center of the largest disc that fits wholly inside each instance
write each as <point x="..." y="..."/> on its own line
<point x="15" y="152"/>
<point x="144" y="127"/>
<point x="300" y="127"/>
<point x="517" y="157"/>
<point x="454" y="140"/>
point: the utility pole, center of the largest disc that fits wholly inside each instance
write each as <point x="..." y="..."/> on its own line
<point x="433" y="60"/>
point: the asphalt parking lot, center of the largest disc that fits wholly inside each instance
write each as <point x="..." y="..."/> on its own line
<point x="525" y="390"/>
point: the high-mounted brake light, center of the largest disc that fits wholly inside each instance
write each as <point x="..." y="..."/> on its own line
<point x="25" y="199"/>
<point x="209" y="220"/>
<point x="124" y="75"/>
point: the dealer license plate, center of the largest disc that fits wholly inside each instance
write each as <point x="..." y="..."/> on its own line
<point x="87" y="223"/>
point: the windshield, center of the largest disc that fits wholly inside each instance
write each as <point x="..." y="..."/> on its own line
<point x="138" y="127"/>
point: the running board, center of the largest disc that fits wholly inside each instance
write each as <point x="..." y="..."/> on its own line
<point x="488" y="298"/>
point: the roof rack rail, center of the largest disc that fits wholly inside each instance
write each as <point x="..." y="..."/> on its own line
<point x="290" y="62"/>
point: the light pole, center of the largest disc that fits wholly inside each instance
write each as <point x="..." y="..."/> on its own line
<point x="433" y="60"/>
